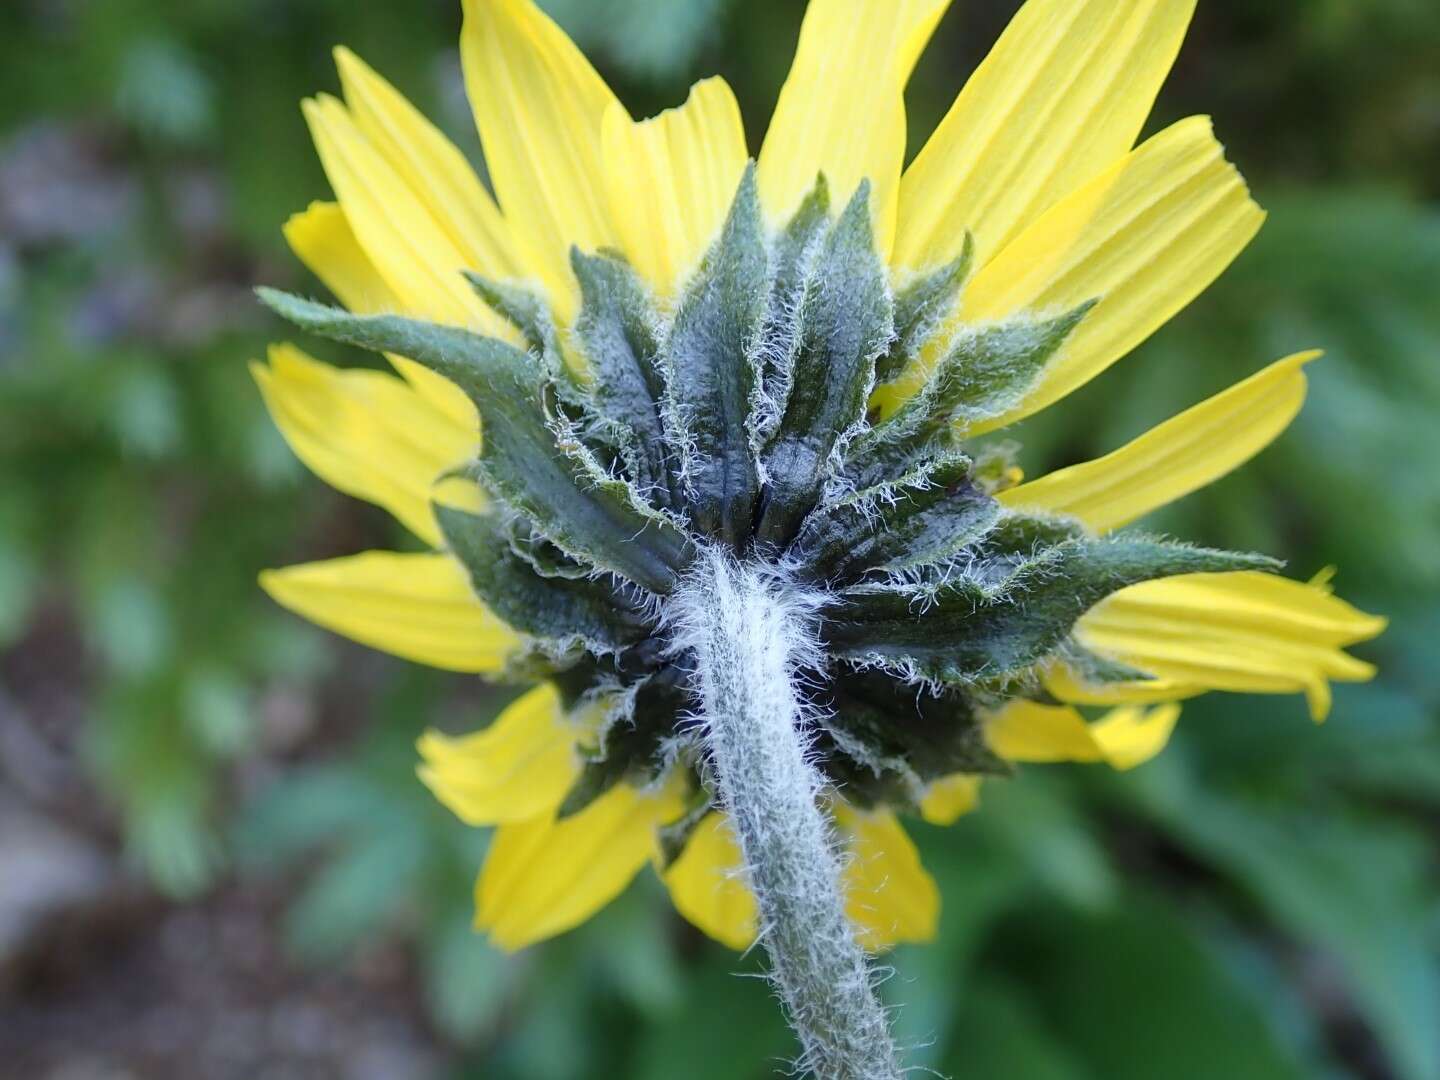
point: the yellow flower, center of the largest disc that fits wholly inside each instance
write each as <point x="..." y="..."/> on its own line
<point x="1033" y="180"/>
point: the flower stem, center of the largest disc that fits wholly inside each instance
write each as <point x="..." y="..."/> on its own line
<point x="750" y="632"/>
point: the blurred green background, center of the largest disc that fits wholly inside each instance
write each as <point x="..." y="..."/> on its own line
<point x="215" y="860"/>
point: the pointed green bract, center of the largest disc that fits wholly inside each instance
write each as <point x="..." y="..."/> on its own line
<point x="987" y="370"/>
<point x="920" y="309"/>
<point x="845" y="323"/>
<point x="630" y="745"/>
<point x="924" y="518"/>
<point x="531" y="457"/>
<point x="988" y="625"/>
<point x="712" y="372"/>
<point x="795" y="264"/>
<point x="522" y="309"/>
<point x="619" y="332"/>
<point x="562" y="614"/>
<point x="898" y="740"/>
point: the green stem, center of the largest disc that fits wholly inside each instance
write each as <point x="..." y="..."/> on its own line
<point x="750" y="632"/>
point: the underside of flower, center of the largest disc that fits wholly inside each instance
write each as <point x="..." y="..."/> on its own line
<point x="738" y="419"/>
<point x="737" y="498"/>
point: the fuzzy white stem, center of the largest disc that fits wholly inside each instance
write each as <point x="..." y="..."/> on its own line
<point x="750" y="632"/>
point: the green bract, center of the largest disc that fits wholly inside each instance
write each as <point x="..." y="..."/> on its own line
<point x="616" y="457"/>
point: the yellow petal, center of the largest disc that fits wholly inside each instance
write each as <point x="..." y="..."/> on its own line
<point x="1124" y="738"/>
<point x="1179" y="456"/>
<point x="842" y="108"/>
<point x="950" y="798"/>
<point x="366" y="433"/>
<point x="1065" y="684"/>
<point x="1027" y="731"/>
<point x="436" y="172"/>
<point x="1245" y="632"/>
<point x="414" y="254"/>
<point x="707" y="886"/>
<point x="1131" y="735"/>
<point x="671" y="180"/>
<point x="1144" y="238"/>
<point x="543" y="877"/>
<point x="1061" y="96"/>
<point x="322" y="238"/>
<point x="519" y="767"/>
<point x="889" y="896"/>
<point x="539" y="106"/>
<point x="419" y="607"/>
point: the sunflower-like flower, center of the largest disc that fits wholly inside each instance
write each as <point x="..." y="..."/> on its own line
<point x="648" y="378"/>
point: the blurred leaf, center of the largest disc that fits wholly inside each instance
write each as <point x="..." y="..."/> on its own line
<point x="728" y="1029"/>
<point x="1360" y="889"/>
<point x="305" y="809"/>
<point x="163" y="92"/>
<point x="1048" y="835"/>
<point x="146" y="413"/>
<point x="352" y="897"/>
<point x="997" y="1033"/>
<point x="1135" y="995"/>
<point x="132" y="625"/>
<point x="218" y="710"/>
<point x="466" y="979"/>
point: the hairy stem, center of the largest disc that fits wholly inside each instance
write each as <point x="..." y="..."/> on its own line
<point x="750" y="632"/>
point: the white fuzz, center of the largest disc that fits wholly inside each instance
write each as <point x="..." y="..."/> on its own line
<point x="751" y="632"/>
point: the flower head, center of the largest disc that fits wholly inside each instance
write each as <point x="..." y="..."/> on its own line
<point x="644" y="346"/>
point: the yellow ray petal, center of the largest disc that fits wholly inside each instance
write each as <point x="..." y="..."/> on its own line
<point x="671" y="180"/>
<point x="519" y="767"/>
<point x="1246" y="632"/>
<point x="543" y="877"/>
<point x="435" y="171"/>
<point x="1145" y="238"/>
<point x="416" y="257"/>
<point x="1026" y="731"/>
<point x="419" y="607"/>
<point x="1179" y="456"/>
<point x="890" y="897"/>
<point x="950" y="798"/>
<point x="1061" y="96"/>
<point x="1065" y="684"/>
<point x="842" y="108"/>
<point x="1131" y="735"/>
<point x="539" y="106"/>
<point x="322" y="239"/>
<point x="366" y="433"/>
<point x="707" y="888"/>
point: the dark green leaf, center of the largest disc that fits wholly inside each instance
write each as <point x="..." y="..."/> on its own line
<point x="1138" y="995"/>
